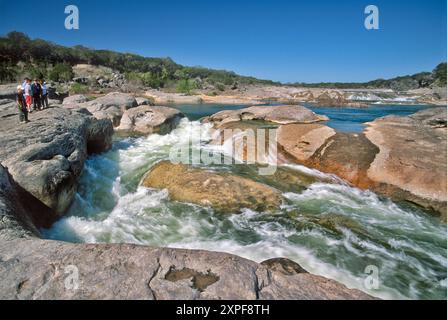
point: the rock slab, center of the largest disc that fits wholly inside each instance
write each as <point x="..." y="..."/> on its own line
<point x="221" y="191"/>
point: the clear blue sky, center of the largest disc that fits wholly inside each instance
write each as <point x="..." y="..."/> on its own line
<point x="292" y="40"/>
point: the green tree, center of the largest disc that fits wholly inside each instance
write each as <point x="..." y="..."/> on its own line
<point x="61" y="72"/>
<point x="440" y="74"/>
<point x="186" y="86"/>
<point x="8" y="72"/>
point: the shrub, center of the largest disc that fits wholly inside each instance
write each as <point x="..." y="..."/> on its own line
<point x="77" y="88"/>
<point x="220" y="87"/>
<point x="61" y="72"/>
<point x="440" y="74"/>
<point x="186" y="86"/>
<point x="7" y="72"/>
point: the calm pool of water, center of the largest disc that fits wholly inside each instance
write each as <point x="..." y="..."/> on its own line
<point x="341" y="119"/>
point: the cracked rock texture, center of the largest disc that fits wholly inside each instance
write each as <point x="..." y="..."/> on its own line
<point x="222" y="191"/>
<point x="46" y="156"/>
<point x="147" y="119"/>
<point x="40" y="269"/>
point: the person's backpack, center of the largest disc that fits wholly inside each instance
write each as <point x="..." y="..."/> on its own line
<point x="37" y="90"/>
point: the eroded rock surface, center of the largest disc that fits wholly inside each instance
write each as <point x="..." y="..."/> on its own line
<point x="412" y="156"/>
<point x="275" y="114"/>
<point x="111" y="106"/>
<point x="400" y="157"/>
<point x="46" y="156"/>
<point x="31" y="268"/>
<point x="150" y="119"/>
<point x="35" y="269"/>
<point x="74" y="99"/>
<point x="222" y="191"/>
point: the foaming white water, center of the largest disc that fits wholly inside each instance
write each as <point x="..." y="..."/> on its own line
<point x="409" y="248"/>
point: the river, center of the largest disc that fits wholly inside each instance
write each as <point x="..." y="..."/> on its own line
<point x="407" y="246"/>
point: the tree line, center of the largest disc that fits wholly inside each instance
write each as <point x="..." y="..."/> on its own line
<point x="43" y="59"/>
<point x="39" y="57"/>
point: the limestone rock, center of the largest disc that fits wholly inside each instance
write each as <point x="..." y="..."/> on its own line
<point x="143" y="101"/>
<point x="275" y="114"/>
<point x="111" y="106"/>
<point x="150" y="119"/>
<point x="74" y="99"/>
<point x="303" y="140"/>
<point x="36" y="269"/>
<point x="46" y="156"/>
<point x="284" y="266"/>
<point x="412" y="156"/>
<point x="221" y="191"/>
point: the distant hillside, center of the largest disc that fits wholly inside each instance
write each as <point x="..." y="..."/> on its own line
<point x="21" y="55"/>
<point x="40" y="58"/>
<point x="403" y="83"/>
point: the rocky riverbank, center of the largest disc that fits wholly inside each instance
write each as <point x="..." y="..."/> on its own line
<point x="400" y="157"/>
<point x="261" y="94"/>
<point x="41" y="163"/>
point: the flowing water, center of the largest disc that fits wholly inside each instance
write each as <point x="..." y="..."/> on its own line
<point x="329" y="228"/>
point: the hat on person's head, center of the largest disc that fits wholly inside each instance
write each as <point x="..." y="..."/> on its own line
<point x="19" y="88"/>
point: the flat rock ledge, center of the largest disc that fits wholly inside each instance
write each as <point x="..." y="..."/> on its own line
<point x="222" y="191"/>
<point x="400" y="157"/>
<point x="37" y="269"/>
<point x="275" y="114"/>
<point x="110" y="106"/>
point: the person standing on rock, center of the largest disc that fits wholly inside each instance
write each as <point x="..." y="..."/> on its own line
<point x="37" y="93"/>
<point x="21" y="105"/>
<point x="44" y="101"/>
<point x="28" y="94"/>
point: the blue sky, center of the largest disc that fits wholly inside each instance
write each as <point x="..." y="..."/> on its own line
<point x="288" y="41"/>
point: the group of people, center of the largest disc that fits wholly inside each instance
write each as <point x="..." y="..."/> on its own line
<point x="31" y="96"/>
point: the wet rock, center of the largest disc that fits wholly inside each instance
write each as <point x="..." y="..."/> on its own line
<point x="150" y="119"/>
<point x="284" y="266"/>
<point x="290" y="180"/>
<point x="335" y="223"/>
<point x="221" y="191"/>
